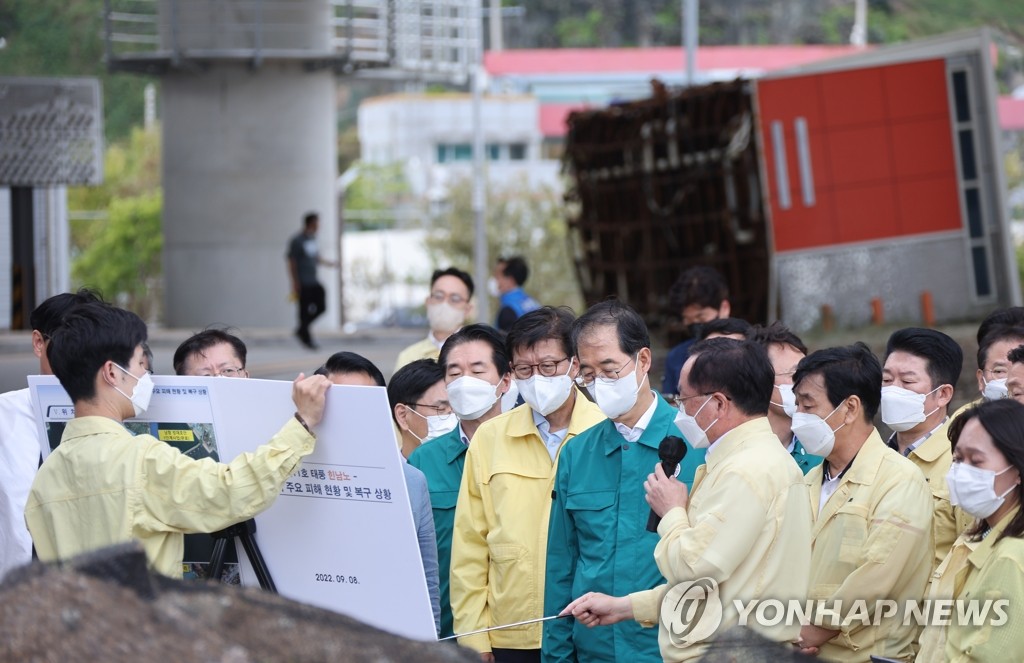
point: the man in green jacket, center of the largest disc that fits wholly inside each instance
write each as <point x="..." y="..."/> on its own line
<point x="597" y="537"/>
<point x="442" y="459"/>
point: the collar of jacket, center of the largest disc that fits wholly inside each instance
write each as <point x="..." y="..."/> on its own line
<point x="449" y="445"/>
<point x="937" y="444"/>
<point x="736" y="438"/>
<point x="92" y="425"/>
<point x="981" y="554"/>
<point x="867" y="461"/>
<point x="520" y="419"/>
<point x="662" y="424"/>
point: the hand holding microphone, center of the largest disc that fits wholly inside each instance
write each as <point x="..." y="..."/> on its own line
<point x="663" y="493"/>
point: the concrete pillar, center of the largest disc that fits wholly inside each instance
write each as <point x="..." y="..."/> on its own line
<point x="245" y="154"/>
<point x="248" y="148"/>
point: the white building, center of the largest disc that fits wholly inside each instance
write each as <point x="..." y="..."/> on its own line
<point x="432" y="134"/>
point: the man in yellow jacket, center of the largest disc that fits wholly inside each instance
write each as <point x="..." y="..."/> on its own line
<point x="103" y="486"/>
<point x="921" y="370"/>
<point x="744" y="535"/>
<point x="873" y="513"/>
<point x="501" y="517"/>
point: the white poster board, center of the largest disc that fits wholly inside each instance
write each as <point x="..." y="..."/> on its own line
<point x="341" y="534"/>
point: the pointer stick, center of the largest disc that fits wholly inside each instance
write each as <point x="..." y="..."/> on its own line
<point x="495" y="628"/>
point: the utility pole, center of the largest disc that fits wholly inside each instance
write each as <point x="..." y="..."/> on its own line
<point x="497" y="44"/>
<point x="480" y="271"/>
<point x="690" y="14"/>
<point x="859" y="33"/>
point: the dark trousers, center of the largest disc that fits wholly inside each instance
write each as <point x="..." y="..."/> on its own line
<point x="312" y="303"/>
<point x="516" y="655"/>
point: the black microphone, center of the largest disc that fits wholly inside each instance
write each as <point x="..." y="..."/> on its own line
<point x="671" y="451"/>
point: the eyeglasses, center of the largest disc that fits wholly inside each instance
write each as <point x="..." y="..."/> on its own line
<point x="454" y="298"/>
<point x="679" y="400"/>
<point x="440" y="410"/>
<point x="999" y="372"/>
<point x="228" y="372"/>
<point x="587" y="378"/>
<point x="548" y="369"/>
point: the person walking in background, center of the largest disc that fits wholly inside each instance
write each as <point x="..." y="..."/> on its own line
<point x="303" y="257"/>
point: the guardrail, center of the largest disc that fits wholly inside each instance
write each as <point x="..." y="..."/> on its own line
<point x="403" y="36"/>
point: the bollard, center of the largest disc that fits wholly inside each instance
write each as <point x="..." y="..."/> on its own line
<point x="828" y="318"/>
<point x="877" y="313"/>
<point x="927" y="309"/>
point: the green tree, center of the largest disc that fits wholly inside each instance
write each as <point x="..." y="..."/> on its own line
<point x="378" y="197"/>
<point x="521" y="220"/>
<point x="116" y="232"/>
<point x="123" y="260"/>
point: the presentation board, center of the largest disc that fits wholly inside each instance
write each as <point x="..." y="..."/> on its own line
<point x="341" y="533"/>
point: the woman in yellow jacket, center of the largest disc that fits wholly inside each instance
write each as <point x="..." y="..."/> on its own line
<point x="986" y="564"/>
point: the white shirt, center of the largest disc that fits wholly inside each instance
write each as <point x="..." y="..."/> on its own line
<point x="552" y="439"/>
<point x="633" y="434"/>
<point x="19" y="460"/>
<point x="829" y="486"/>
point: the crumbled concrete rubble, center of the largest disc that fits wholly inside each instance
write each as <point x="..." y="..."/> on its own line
<point x="107" y="607"/>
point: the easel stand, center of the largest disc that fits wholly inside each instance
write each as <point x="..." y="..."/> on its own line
<point x="243" y="531"/>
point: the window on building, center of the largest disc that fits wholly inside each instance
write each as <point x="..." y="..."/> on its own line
<point x="448" y="152"/>
<point x="517" y="151"/>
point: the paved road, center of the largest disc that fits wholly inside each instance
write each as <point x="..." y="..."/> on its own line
<point x="273" y="354"/>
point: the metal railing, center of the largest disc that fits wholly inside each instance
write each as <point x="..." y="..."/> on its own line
<point x="404" y="36"/>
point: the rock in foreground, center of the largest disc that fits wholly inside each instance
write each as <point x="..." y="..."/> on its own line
<point x="107" y="607"/>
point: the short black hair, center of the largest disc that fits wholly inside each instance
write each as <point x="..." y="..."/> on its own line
<point x="1001" y="317"/>
<point x="943" y="356"/>
<point x="47" y="316"/>
<point x="199" y="343"/>
<point x="724" y="326"/>
<point x="700" y="285"/>
<point x="309" y="218"/>
<point x="852" y="370"/>
<point x="547" y="322"/>
<point x="350" y="362"/>
<point x="739" y="369"/>
<point x="478" y="332"/>
<point x="1003" y="420"/>
<point x="775" y="334"/>
<point x="516" y="268"/>
<point x="996" y="334"/>
<point x="457" y="273"/>
<point x="1016" y="355"/>
<point x="90" y="335"/>
<point x="629" y="326"/>
<point x="411" y="381"/>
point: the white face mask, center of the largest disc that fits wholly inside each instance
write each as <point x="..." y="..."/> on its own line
<point x="443" y="317"/>
<point x="492" y="287"/>
<point x="973" y="489"/>
<point x="788" y="403"/>
<point x="141" y="394"/>
<point x="471" y="397"/>
<point x="814" y="433"/>
<point x="437" y="424"/>
<point x="903" y="409"/>
<point x="691" y="430"/>
<point x="545" y="395"/>
<point x="994" y="389"/>
<point x="616" y="397"/>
